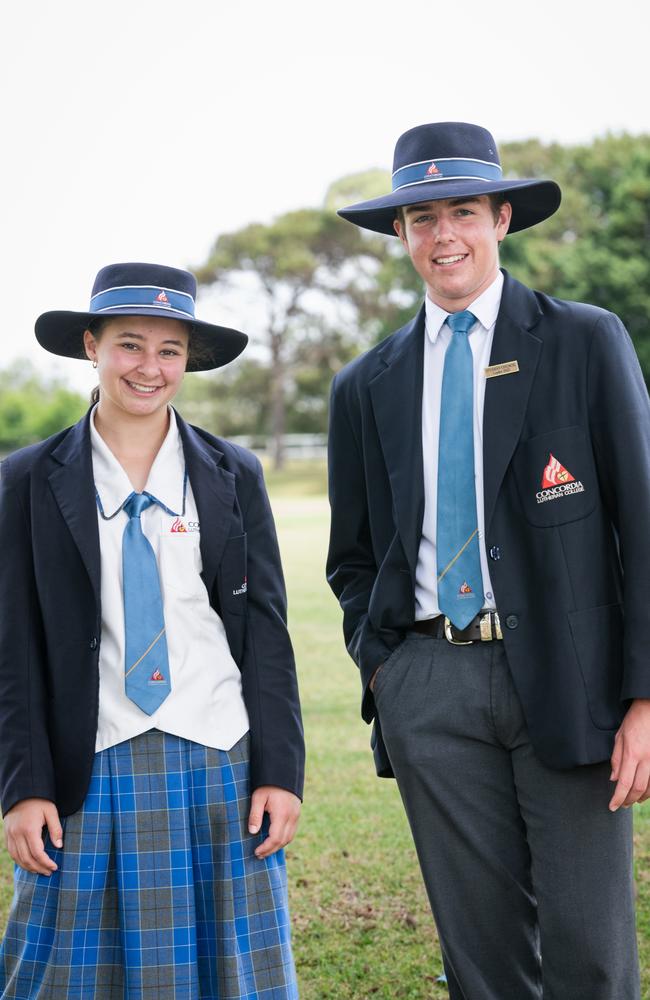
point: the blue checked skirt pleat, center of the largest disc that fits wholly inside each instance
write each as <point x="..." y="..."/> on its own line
<point x="158" y="892"/>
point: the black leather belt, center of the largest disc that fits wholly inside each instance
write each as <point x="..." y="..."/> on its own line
<point x="483" y="628"/>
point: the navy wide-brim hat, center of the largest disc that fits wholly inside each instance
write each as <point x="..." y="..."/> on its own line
<point x="142" y="290"/>
<point x="453" y="160"/>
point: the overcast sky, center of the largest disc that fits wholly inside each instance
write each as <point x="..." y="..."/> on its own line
<point x="141" y="129"/>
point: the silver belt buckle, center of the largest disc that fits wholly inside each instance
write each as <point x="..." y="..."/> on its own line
<point x="485" y="626"/>
<point x="449" y="637"/>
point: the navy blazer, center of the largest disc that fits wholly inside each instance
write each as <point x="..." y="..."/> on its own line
<point x="50" y="612"/>
<point x="570" y="569"/>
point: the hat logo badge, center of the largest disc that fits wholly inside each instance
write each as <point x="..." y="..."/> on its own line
<point x="162" y="298"/>
<point x="433" y="170"/>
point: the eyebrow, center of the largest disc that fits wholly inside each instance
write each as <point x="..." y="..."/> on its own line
<point x="138" y="336"/>
<point x="411" y="209"/>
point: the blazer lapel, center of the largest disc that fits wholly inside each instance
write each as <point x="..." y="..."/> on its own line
<point x="214" y="493"/>
<point x="506" y="397"/>
<point x="396" y="394"/>
<point x="73" y="487"/>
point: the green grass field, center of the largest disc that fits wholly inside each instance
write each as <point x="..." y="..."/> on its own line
<point x="361" y="924"/>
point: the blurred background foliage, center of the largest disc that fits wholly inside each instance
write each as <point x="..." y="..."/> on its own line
<point x="313" y="291"/>
<point x="33" y="406"/>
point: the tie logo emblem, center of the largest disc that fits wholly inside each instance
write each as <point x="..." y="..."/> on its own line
<point x="432" y="171"/>
<point x="557" y="482"/>
<point x="157" y="676"/>
<point x="465" y="589"/>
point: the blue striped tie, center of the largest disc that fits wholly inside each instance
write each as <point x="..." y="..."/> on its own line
<point x="460" y="583"/>
<point x="146" y="661"/>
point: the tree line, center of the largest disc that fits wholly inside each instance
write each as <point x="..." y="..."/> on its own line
<point x="313" y="291"/>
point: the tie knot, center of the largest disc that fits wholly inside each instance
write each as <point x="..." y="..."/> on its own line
<point x="138" y="502"/>
<point x="461" y="322"/>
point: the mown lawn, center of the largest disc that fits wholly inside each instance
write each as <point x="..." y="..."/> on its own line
<point x="362" y="927"/>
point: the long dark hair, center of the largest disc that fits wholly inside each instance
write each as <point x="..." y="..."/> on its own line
<point x="96" y="327"/>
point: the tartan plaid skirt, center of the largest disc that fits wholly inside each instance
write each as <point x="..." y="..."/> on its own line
<point x="158" y="894"/>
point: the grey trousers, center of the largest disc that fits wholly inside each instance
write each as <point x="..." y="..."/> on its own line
<point x="528" y="873"/>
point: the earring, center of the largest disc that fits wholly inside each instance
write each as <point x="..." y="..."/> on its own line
<point x="94" y="362"/>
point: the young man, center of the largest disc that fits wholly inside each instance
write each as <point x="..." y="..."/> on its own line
<point x="490" y="487"/>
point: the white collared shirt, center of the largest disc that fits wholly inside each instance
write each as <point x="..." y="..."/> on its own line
<point x="205" y="704"/>
<point x="436" y="341"/>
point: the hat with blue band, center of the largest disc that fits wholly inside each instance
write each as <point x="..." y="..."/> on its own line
<point x="137" y="289"/>
<point x="452" y="160"/>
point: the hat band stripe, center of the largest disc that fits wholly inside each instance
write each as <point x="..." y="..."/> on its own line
<point x="154" y="306"/>
<point x="142" y="296"/>
<point x="445" y="170"/>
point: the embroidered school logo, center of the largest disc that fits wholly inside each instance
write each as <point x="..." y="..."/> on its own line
<point x="557" y="482"/>
<point x="242" y="589"/>
<point x="157" y="676"/>
<point x="161" y="297"/>
<point x="555" y="473"/>
<point x="432" y="171"/>
<point x="178" y="525"/>
<point x="465" y="589"/>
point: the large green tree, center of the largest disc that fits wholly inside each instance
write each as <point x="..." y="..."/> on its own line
<point x="597" y="246"/>
<point x="389" y="299"/>
<point x="304" y="273"/>
<point x="230" y="402"/>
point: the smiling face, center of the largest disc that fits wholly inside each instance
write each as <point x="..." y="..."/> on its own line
<point x="454" y="246"/>
<point x="140" y="363"/>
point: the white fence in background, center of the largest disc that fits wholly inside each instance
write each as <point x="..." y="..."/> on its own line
<point x="296" y="446"/>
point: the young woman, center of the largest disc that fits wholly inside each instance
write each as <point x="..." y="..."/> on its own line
<point x="151" y="749"/>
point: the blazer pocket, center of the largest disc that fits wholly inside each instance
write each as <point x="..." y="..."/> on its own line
<point x="556" y="477"/>
<point x="232" y="576"/>
<point x="598" y="642"/>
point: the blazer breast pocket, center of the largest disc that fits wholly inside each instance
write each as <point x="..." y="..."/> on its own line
<point x="556" y="477"/>
<point x="232" y="576"/>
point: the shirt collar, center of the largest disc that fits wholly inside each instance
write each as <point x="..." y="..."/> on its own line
<point x="166" y="480"/>
<point x="485" y="308"/>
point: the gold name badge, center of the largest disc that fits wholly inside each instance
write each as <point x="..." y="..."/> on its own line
<point x="507" y="368"/>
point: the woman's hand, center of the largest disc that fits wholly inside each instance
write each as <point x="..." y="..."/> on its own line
<point x="24" y="834"/>
<point x="283" y="808"/>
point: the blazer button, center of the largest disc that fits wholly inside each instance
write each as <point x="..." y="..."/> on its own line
<point x="93" y="642"/>
<point x="512" y="621"/>
<point x="495" y="552"/>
